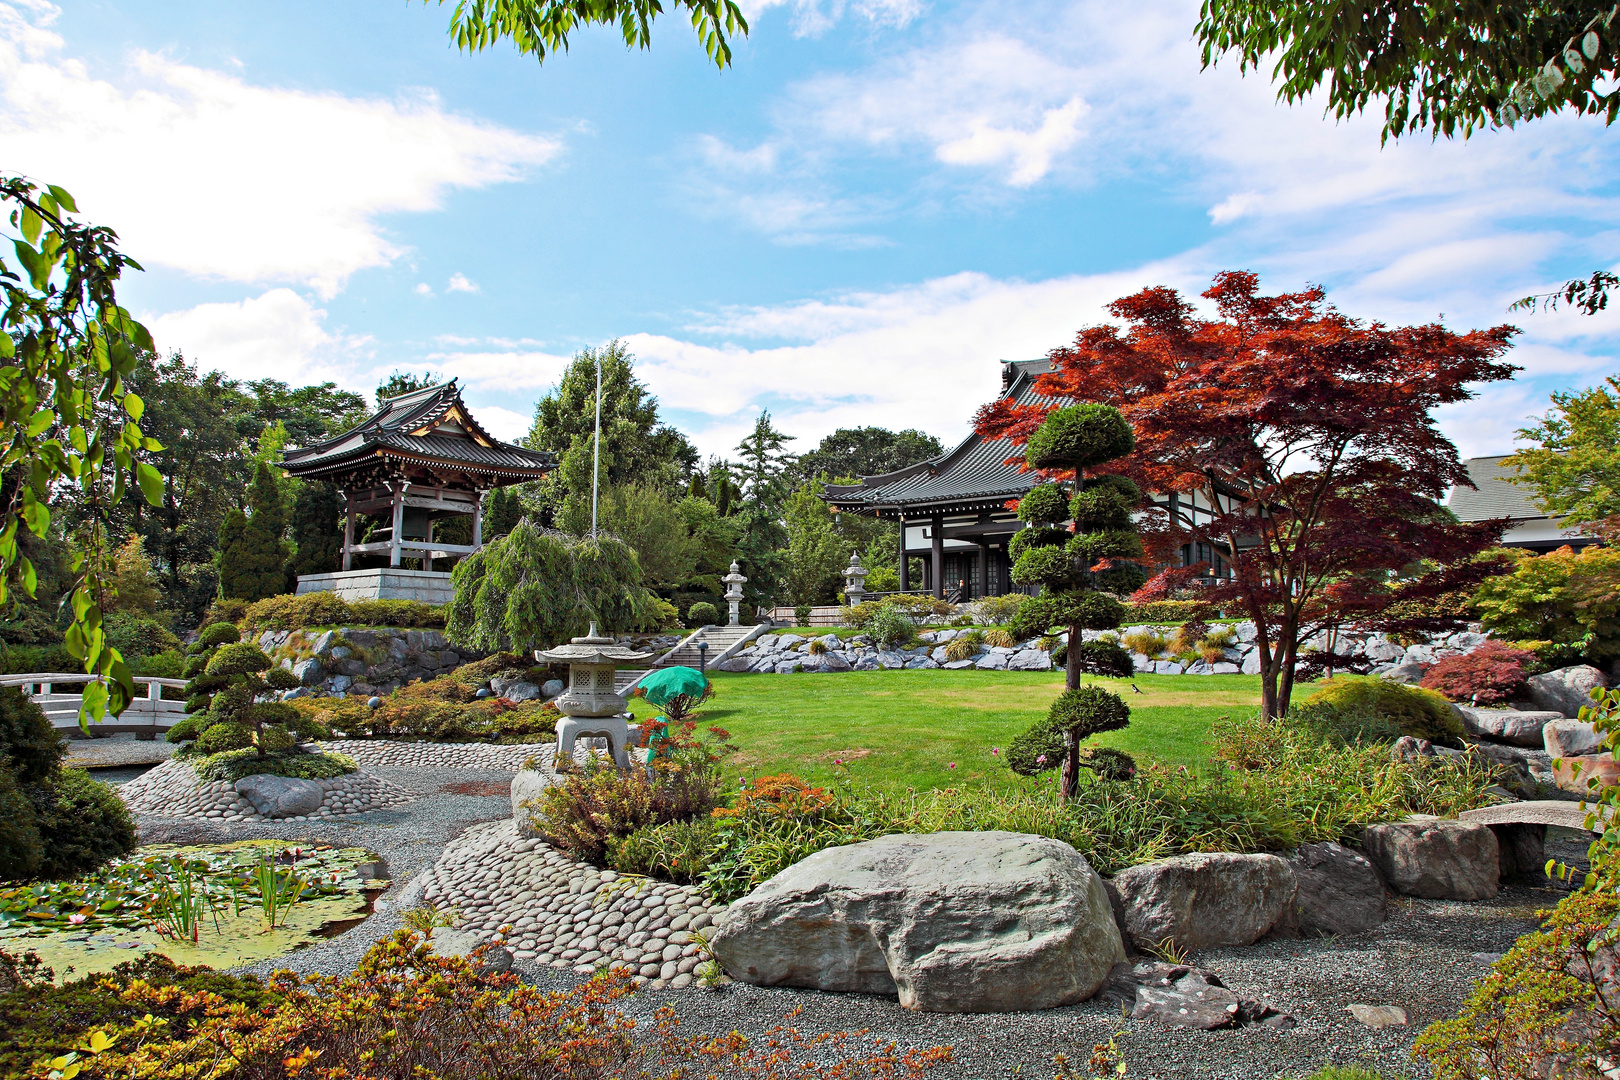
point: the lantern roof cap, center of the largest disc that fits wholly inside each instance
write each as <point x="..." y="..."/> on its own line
<point x="595" y="650"/>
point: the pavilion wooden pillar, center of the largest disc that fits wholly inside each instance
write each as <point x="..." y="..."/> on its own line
<point x="399" y="525"/>
<point x="478" y="518"/>
<point x="427" y="556"/>
<point x="938" y="556"/>
<point x="905" y="562"/>
<point x="984" y="569"/>
<point x="348" y="531"/>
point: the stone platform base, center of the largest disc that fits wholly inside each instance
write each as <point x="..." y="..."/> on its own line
<point x="427" y="586"/>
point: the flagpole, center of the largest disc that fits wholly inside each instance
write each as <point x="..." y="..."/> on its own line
<point x="596" y="456"/>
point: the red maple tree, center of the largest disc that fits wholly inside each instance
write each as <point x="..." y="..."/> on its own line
<point x="1300" y="443"/>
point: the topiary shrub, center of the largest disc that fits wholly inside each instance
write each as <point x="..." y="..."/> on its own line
<point x="701" y="614"/>
<point x="1492" y="674"/>
<point x="218" y="634"/>
<point x="1054" y="742"/>
<point x="1423" y="714"/>
<point x="1080" y="437"/>
<point x="235" y="764"/>
<point x="1044" y="503"/>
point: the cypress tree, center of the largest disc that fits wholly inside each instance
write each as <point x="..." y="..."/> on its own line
<point x="502" y="511"/>
<point x="317" y="529"/>
<point x="252" y="557"/>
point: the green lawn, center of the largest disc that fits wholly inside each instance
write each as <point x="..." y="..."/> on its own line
<point x="900" y="729"/>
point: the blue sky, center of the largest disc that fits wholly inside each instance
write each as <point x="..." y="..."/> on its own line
<point x="880" y="199"/>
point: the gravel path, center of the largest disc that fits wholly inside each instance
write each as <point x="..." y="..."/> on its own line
<point x="1426" y="959"/>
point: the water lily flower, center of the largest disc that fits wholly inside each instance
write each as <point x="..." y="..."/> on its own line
<point x="77" y="918"/>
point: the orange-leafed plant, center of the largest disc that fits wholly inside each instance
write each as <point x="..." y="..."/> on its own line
<point x="783" y="796"/>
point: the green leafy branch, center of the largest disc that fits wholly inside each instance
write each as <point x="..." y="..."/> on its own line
<point x="535" y="27"/>
<point x="67" y="421"/>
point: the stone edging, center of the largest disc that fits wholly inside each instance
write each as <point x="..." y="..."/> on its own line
<point x="568" y="914"/>
<point x="173" y="789"/>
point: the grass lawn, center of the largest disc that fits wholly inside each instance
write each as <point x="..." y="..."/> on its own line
<point x="900" y="729"/>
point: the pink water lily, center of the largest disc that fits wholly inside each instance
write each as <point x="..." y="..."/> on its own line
<point x="77" y="918"/>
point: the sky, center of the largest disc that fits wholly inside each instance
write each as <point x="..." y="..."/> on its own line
<point x="877" y="202"/>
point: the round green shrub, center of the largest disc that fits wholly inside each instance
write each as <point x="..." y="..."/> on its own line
<point x="1090" y="547"/>
<point x="1087" y="711"/>
<point x="891" y="626"/>
<point x="218" y="738"/>
<point x="1105" y="502"/>
<point x="1025" y="539"/>
<point x="1108" y="763"/>
<point x="280" y="678"/>
<point x="1080" y="436"/>
<point x="240" y="659"/>
<point x="82" y="824"/>
<point x="1420" y="713"/>
<point x="801" y="615"/>
<point x="191" y="727"/>
<point x="701" y="614"/>
<point x="234" y="764"/>
<point x="1048" y="566"/>
<point x="1044" y="504"/>
<point x="29" y="747"/>
<point x="220" y="633"/>
<point x="1108" y="658"/>
<point x="135" y="636"/>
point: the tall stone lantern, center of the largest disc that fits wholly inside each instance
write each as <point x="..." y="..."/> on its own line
<point x="591" y="705"/>
<point x="854" y="579"/>
<point x="734" y="594"/>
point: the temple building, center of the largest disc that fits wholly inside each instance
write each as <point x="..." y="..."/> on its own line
<point x="421" y="458"/>
<point x="1496" y="495"/>
<point x="953" y="509"/>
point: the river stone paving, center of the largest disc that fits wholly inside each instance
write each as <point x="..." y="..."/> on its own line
<point x="426" y="755"/>
<point x="174" y="789"/>
<point x="568" y="914"/>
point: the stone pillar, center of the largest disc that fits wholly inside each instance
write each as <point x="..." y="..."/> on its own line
<point x="984" y="569"/>
<point x="399" y="525"/>
<point x="938" y="556"/>
<point x="348" y="531"/>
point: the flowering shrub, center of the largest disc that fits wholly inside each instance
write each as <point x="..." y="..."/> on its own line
<point x="782" y="796"/>
<point x="1490" y="675"/>
<point x="406" y="1012"/>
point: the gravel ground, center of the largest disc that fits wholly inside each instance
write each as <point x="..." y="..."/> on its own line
<point x="1426" y="959"/>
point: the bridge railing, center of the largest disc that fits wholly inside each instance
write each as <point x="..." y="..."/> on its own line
<point x="150" y="713"/>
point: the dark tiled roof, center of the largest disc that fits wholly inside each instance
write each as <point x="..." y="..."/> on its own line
<point x="972" y="476"/>
<point x="388" y="433"/>
<point x="1494" y="494"/>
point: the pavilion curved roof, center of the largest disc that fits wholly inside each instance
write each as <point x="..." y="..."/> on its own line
<point x="974" y="476"/>
<point x="426" y="428"/>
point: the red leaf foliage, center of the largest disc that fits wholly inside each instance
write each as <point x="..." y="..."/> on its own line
<point x="1490" y="675"/>
<point x="1307" y="437"/>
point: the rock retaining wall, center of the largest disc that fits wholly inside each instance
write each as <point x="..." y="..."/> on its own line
<point x="174" y="789"/>
<point x="784" y="654"/>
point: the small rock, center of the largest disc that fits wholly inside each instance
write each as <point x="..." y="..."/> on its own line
<point x="1378" y="1016"/>
<point x="523" y="690"/>
<point x="309" y="672"/>
<point x="551" y="688"/>
<point x="1191" y="1002"/>
<point x="448" y="942"/>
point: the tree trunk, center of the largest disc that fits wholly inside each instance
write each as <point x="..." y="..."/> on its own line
<point x="1071" y="661"/>
<point x="1069" y="785"/>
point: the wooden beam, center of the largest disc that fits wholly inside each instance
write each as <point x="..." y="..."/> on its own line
<point x="938" y="556"/>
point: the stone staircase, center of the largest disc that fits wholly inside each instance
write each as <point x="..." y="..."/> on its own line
<point x="723" y="641"/>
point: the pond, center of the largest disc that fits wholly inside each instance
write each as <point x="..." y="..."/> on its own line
<point x="222" y="905"/>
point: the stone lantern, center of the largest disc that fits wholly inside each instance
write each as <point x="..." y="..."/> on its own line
<point x="854" y="579"/>
<point x="734" y="594"/>
<point x="591" y="705"/>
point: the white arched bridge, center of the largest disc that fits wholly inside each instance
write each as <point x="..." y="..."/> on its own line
<point x="58" y="694"/>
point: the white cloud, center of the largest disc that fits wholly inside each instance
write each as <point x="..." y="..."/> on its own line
<point x="206" y="172"/>
<point x="423" y="289"/>
<point x="278" y="334"/>
<point x="460" y="283"/>
<point x="811" y="18"/>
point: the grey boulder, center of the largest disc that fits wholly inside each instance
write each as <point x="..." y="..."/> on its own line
<point x="736" y="663"/>
<point x="1566" y="690"/>
<point x="551" y="688"/>
<point x="1409" y="671"/>
<point x="522" y="690"/>
<point x="1571" y="738"/>
<point x="1339" y="892"/>
<point x="1436" y="858"/>
<point x="527" y="785"/>
<point x="309" y="672"/>
<point x="1030" y="660"/>
<point x="281" y="796"/>
<point x="948" y="922"/>
<point x="461" y="943"/>
<point x="1204" y="900"/>
<point x="1509" y="726"/>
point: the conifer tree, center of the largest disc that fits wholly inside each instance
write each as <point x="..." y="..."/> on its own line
<point x="316" y="529"/>
<point x="252" y="556"/>
<point x="1077" y="569"/>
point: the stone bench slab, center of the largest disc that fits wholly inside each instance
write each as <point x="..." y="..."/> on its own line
<point x="1567" y="815"/>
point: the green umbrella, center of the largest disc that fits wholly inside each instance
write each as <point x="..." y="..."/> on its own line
<point x="666" y="683"/>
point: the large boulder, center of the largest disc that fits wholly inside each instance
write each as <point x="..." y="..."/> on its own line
<point x="1436" y="858"/>
<point x="949" y="922"/>
<point x="462" y="943"/>
<point x="1030" y="660"/>
<point x="1339" y="892"/>
<point x="1509" y="726"/>
<point x="1205" y="900"/>
<point x="310" y="671"/>
<point x="1571" y="738"/>
<point x="527" y="785"/>
<point x="281" y="796"/>
<point x="1566" y="690"/>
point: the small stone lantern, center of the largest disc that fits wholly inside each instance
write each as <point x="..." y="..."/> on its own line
<point x="591" y="705"/>
<point x="734" y="594"/>
<point x="854" y="579"/>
